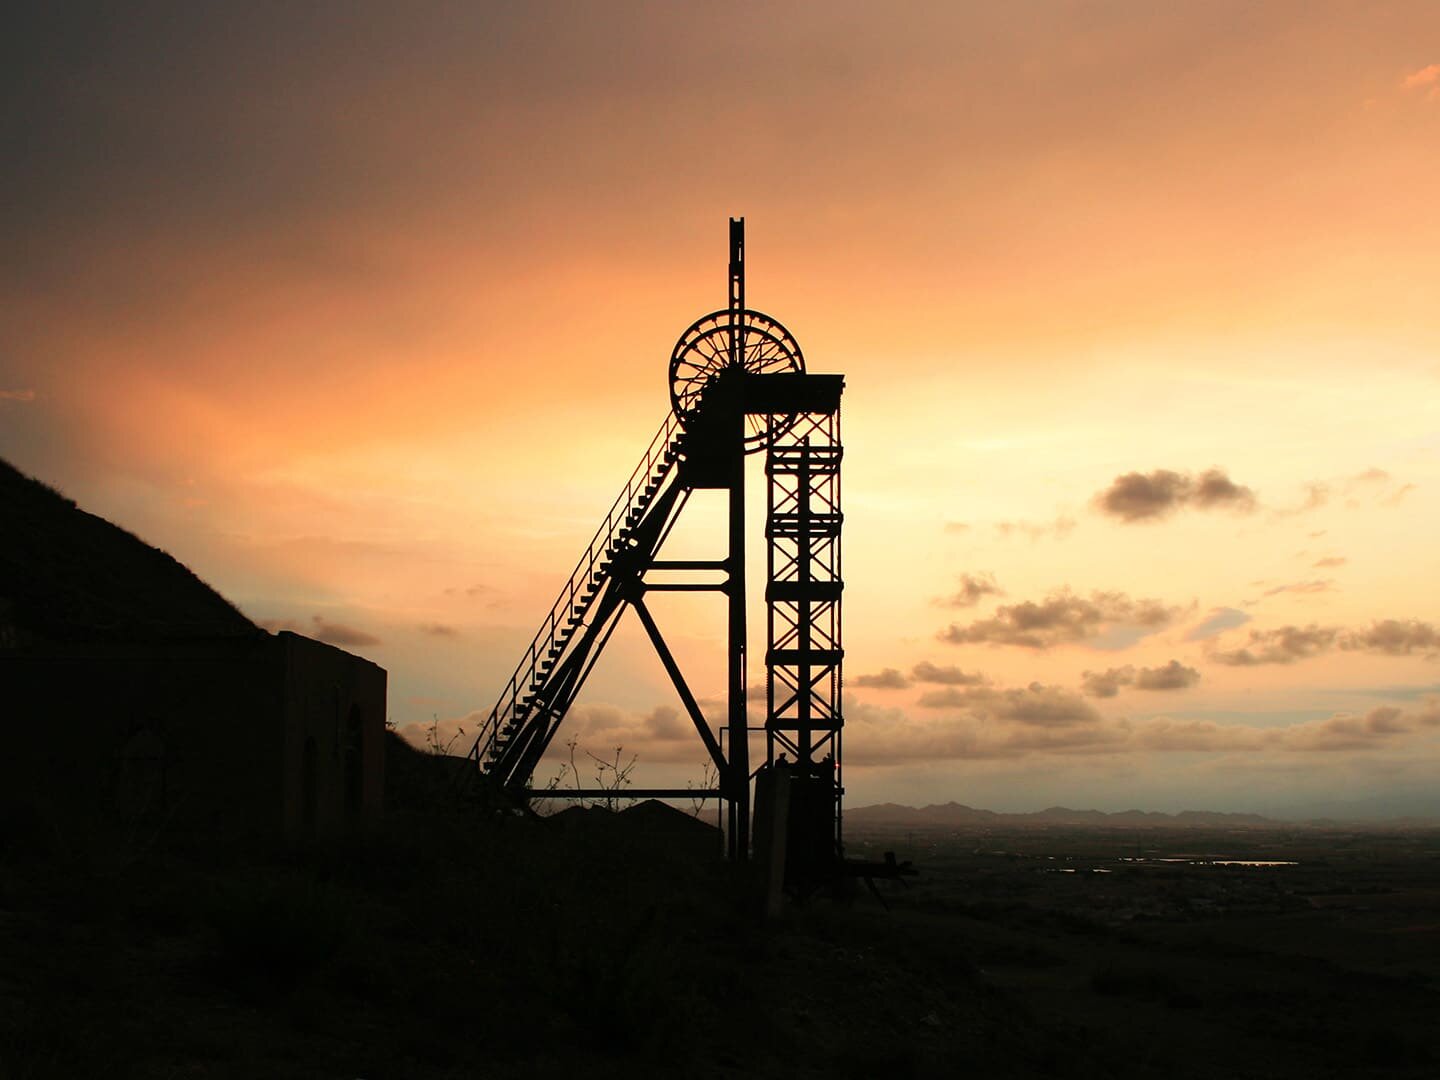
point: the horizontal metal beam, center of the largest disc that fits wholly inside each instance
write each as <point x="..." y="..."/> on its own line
<point x="688" y="564"/>
<point x="792" y="592"/>
<point x="795" y="657"/>
<point x="684" y="586"/>
<point x="625" y="793"/>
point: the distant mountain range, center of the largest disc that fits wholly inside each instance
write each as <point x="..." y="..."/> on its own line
<point x="953" y="814"/>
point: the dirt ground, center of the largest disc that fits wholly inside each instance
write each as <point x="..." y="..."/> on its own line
<point x="449" y="947"/>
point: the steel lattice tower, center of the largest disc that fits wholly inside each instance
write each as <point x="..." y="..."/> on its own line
<point x="803" y="595"/>
<point x="738" y="386"/>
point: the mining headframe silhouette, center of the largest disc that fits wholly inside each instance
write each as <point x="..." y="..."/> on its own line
<point x="738" y="387"/>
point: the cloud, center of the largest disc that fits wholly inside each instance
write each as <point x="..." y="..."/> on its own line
<point x="1395" y="497"/>
<point x="1394" y="637"/>
<point x="1403" y="692"/>
<point x="17" y="395"/>
<point x="1368" y="478"/>
<point x="339" y="634"/>
<point x="321" y="629"/>
<point x="1058" y="529"/>
<point x="471" y="592"/>
<point x="1376" y="484"/>
<point x="1063" y="618"/>
<point x="1367" y="732"/>
<point x="946" y="675"/>
<point x="439" y="630"/>
<point x="1190" y="736"/>
<point x="1316" y="495"/>
<point x="950" y="697"/>
<point x="1173" y="676"/>
<point x="1107" y="684"/>
<point x="1284" y="645"/>
<point x="973" y="589"/>
<point x="1287" y="644"/>
<point x="1330" y="562"/>
<point x="1342" y="732"/>
<point x="1372" y="483"/>
<point x="1134" y="496"/>
<point x="1036" y="705"/>
<point x="1002" y="724"/>
<point x="1137" y="497"/>
<point x="664" y="734"/>
<point x="956" y="527"/>
<point x="1216" y="622"/>
<point x="984" y="724"/>
<point x="1215" y="489"/>
<point x="1300" y="587"/>
<point x="887" y="679"/>
<point x="455" y="734"/>
<point x="962" y="738"/>
<point x="1429" y="75"/>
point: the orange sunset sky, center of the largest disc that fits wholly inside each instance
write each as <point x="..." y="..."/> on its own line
<point x="363" y="312"/>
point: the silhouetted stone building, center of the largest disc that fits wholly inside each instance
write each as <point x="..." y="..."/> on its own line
<point x="132" y="692"/>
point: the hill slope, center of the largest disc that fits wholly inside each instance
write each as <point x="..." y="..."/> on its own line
<point x="68" y="576"/>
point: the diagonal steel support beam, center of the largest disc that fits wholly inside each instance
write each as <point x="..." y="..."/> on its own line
<point x="686" y="697"/>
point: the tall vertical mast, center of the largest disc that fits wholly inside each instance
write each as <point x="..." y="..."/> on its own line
<point x="737" y="291"/>
<point x="738" y="721"/>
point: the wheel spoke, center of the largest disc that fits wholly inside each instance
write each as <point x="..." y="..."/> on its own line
<point x="704" y="350"/>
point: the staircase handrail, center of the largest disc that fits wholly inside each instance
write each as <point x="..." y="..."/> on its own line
<point x="566" y="601"/>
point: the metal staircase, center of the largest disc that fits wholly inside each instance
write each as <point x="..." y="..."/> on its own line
<point x="523" y="702"/>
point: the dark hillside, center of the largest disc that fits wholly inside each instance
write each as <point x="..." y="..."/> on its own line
<point x="67" y="576"/>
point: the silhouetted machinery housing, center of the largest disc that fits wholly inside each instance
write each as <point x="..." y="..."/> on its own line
<point x="738" y="386"/>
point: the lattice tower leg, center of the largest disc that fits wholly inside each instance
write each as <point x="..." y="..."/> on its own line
<point x="803" y="605"/>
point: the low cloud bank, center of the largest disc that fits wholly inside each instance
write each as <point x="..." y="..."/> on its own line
<point x="1064" y="618"/>
<point x="1289" y="644"/>
<point x="983" y="731"/>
